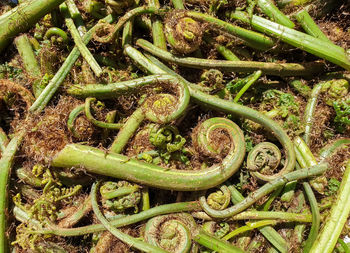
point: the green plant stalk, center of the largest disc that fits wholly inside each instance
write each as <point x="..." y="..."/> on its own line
<point x="272" y="197"/>
<point x="4" y="140"/>
<point x="330" y="149"/>
<point x="26" y="52"/>
<point x="269" y="232"/>
<point x="344" y="246"/>
<point x="158" y="34"/>
<point x="199" y="97"/>
<point x="274" y="13"/>
<point x="316" y="217"/>
<point x="23" y="17"/>
<point x="213" y="243"/>
<point x="127" y="33"/>
<point x="96" y="122"/>
<point x="120" y="166"/>
<point x="253" y="39"/>
<point x="6" y="163"/>
<point x="250" y="82"/>
<point x="129" y="240"/>
<point x="178" y="4"/>
<point x="272" y="215"/>
<point x="61" y="74"/>
<point x="248" y="227"/>
<point x="84" y="51"/>
<point x="328" y="237"/>
<point x="30" y="63"/>
<point x="309" y="112"/>
<point x="327" y="51"/>
<point x="125" y="220"/>
<point x="76" y="16"/>
<point x="127" y="131"/>
<point x="145" y="199"/>
<point x="113" y="35"/>
<point x="71" y="118"/>
<point x="224" y="51"/>
<point x="309" y="25"/>
<point x="263" y="191"/>
<point x="305" y="159"/>
<point x="269" y="68"/>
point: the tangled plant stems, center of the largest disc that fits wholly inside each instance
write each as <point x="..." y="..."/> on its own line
<point x="192" y="122"/>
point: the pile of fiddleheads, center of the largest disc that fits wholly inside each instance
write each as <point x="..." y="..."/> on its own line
<point x="174" y="126"/>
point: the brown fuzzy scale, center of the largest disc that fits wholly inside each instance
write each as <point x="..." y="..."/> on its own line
<point x="336" y="163"/>
<point x="47" y="133"/>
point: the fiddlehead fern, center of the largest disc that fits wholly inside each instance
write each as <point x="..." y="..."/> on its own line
<point x="217" y="229"/>
<point x="264" y="158"/>
<point x="219" y="200"/>
<point x="183" y="33"/>
<point x="229" y="149"/>
<point x="171" y="232"/>
<point x="120" y="195"/>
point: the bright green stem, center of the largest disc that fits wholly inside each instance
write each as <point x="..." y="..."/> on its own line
<point x="278" y="216"/>
<point x="252" y="38"/>
<point x="30" y="62"/>
<point x="113" y="35"/>
<point x="158" y="34"/>
<point x="269" y="232"/>
<point x="250" y="82"/>
<point x="61" y="74"/>
<point x="126" y="220"/>
<point x="178" y="4"/>
<point x="119" y="166"/>
<point x="26" y="52"/>
<point x="145" y="199"/>
<point x="215" y="103"/>
<point x="127" y="131"/>
<point x="263" y="191"/>
<point x="211" y="242"/>
<point x="325" y="50"/>
<point x="330" y="149"/>
<point x="6" y="163"/>
<point x="76" y="16"/>
<point x="269" y="68"/>
<point x="248" y="227"/>
<point x="4" y="140"/>
<point x="274" y="13"/>
<point x="131" y="241"/>
<point x="71" y="118"/>
<point x="23" y="17"/>
<point x="79" y="42"/>
<point x="309" y="111"/>
<point x="96" y="122"/>
<point x="226" y="53"/>
<point x="309" y="25"/>
<point x="328" y="237"/>
<point x="316" y="217"/>
<point x="55" y="31"/>
<point x="127" y="33"/>
<point x="344" y="246"/>
<point x="307" y="158"/>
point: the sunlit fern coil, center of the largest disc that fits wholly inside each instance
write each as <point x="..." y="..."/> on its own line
<point x="264" y="159"/>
